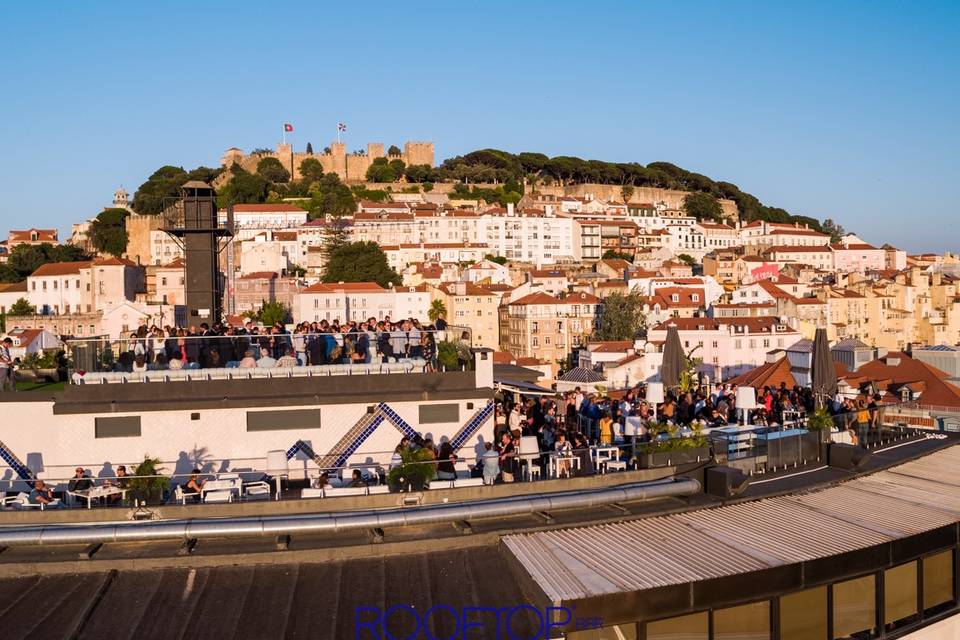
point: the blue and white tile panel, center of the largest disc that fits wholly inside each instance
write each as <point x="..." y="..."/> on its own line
<point x="474" y="424"/>
<point x="14" y="462"/>
<point x="363" y="435"/>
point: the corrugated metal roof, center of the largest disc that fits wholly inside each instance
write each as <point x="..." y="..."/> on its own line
<point x="581" y="562"/>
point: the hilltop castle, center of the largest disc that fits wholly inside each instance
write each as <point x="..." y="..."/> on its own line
<point x="349" y="167"/>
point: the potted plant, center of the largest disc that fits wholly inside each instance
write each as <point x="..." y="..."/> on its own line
<point x="674" y="450"/>
<point x="413" y="473"/>
<point x="821" y="421"/>
<point x="47" y="366"/>
<point x="148" y="485"/>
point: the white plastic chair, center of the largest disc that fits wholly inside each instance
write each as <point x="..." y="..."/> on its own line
<point x="529" y="456"/>
<point x="181" y="495"/>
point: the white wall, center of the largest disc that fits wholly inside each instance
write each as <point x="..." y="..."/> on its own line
<point x="54" y="444"/>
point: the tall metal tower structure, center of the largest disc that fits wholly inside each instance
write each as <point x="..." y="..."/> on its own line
<point x="194" y="223"/>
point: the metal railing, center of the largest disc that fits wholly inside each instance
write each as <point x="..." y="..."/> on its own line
<point x="517" y="466"/>
<point x="266" y="350"/>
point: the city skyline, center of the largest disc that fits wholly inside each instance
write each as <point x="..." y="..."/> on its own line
<point x="818" y="110"/>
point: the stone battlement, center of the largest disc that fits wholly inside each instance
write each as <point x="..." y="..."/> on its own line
<point x="350" y="167"/>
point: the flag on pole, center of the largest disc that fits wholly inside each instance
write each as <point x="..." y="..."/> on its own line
<point x="288" y="128"/>
<point x="341" y="126"/>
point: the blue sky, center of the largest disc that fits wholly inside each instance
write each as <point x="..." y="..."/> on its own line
<point x="835" y="109"/>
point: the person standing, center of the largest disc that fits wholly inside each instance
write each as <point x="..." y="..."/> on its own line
<point x="6" y="366"/>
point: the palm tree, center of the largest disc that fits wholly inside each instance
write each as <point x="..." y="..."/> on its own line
<point x="437" y="310"/>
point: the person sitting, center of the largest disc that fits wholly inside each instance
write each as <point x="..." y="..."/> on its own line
<point x="266" y="361"/>
<point x="322" y="481"/>
<point x="41" y="494"/>
<point x="357" y="481"/>
<point x="564" y="454"/>
<point x="195" y="484"/>
<point x="446" y="469"/>
<point x="121" y="482"/>
<point x="248" y="361"/>
<point x="139" y="364"/>
<point x="79" y="483"/>
<point x="176" y="362"/>
<point x="289" y="359"/>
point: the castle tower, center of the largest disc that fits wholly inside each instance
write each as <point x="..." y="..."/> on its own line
<point x="338" y="150"/>
<point x="418" y="153"/>
<point x="285" y="156"/>
<point x="121" y="199"/>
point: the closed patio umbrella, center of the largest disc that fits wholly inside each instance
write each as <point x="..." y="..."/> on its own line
<point x="673" y="360"/>
<point x="823" y="376"/>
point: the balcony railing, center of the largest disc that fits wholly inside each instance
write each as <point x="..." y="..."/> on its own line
<point x="161" y="356"/>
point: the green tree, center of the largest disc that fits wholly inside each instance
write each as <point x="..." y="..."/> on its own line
<point x="380" y="170"/>
<point x="622" y="317"/>
<point x="272" y="313"/>
<point x="626" y="192"/>
<point x="702" y="206"/>
<point x="498" y="259"/>
<point x="834" y="230"/>
<point x="687" y="259"/>
<point x="296" y="271"/>
<point x="427" y="187"/>
<point x="273" y="170"/>
<point x="25" y="259"/>
<point x="394" y="150"/>
<point x="359" y="262"/>
<point x="311" y="170"/>
<point x="331" y="198"/>
<point x="21" y="308"/>
<point x="162" y="184"/>
<point x="437" y="310"/>
<point x="243" y="188"/>
<point x="398" y="166"/>
<point x="309" y="148"/>
<point x="613" y="254"/>
<point x="108" y="233"/>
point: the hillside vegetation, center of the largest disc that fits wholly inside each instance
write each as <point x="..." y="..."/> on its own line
<point x="511" y="174"/>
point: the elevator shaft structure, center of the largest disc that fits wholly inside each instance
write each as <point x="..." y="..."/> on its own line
<point x="198" y="230"/>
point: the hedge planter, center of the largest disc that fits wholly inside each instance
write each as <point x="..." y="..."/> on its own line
<point x="652" y="460"/>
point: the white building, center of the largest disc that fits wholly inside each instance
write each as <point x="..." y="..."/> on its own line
<point x="760" y="232"/>
<point x="728" y="347"/>
<point x="83" y="287"/>
<point x="264" y="216"/>
<point x="358" y="301"/>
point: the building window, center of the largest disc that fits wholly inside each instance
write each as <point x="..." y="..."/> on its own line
<point x="900" y="595"/>
<point x="938" y="582"/>
<point x="695" y="626"/>
<point x="746" y="621"/>
<point x="855" y="607"/>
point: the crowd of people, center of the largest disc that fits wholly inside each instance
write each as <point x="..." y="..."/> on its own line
<point x="308" y="344"/>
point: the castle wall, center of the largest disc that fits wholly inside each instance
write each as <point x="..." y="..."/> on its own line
<point x="139" y="245"/>
<point x="350" y="168"/>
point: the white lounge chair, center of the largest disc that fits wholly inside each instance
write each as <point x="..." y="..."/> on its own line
<point x="181" y="495"/>
<point x="337" y="492"/>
